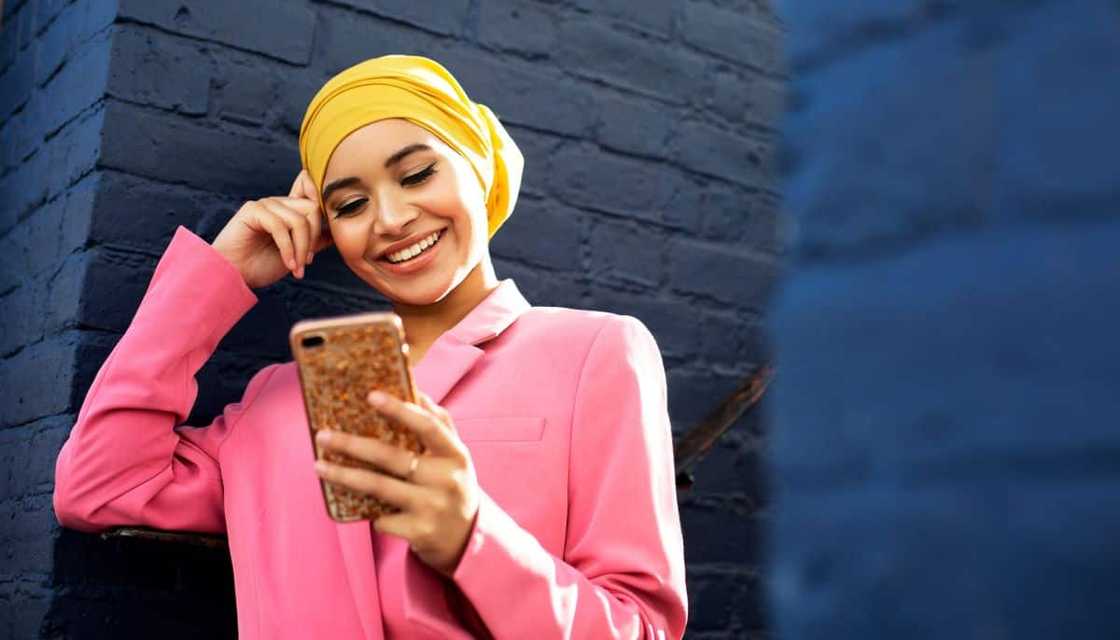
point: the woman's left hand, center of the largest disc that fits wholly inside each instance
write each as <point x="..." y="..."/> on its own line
<point x="438" y="501"/>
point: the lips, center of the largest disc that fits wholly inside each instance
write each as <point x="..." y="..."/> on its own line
<point x="416" y="263"/>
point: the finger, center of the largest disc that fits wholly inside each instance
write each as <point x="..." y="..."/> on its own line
<point x="379" y="485"/>
<point x="426" y="402"/>
<point x="405" y="525"/>
<point x="436" y="437"/>
<point x="315" y="224"/>
<point x="303" y="206"/>
<point x="300" y="229"/>
<point x="281" y="235"/>
<point x="393" y="459"/>
<point x="320" y="237"/>
<point x="299" y="185"/>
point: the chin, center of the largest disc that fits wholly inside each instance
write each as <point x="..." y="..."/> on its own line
<point x="419" y="292"/>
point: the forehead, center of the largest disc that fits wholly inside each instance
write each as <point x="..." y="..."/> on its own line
<point x="370" y="145"/>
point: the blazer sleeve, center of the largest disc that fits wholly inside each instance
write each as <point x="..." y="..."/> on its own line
<point x="128" y="459"/>
<point x="622" y="574"/>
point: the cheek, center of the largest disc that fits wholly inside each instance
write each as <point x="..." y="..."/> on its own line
<point x="349" y="241"/>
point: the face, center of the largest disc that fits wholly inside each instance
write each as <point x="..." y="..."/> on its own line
<point x="393" y="184"/>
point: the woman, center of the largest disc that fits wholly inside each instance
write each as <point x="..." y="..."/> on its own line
<point x="544" y="505"/>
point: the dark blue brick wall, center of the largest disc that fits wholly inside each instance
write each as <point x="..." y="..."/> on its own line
<point x="649" y="190"/>
<point x="945" y="450"/>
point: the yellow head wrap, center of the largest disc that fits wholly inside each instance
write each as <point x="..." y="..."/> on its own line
<point x="422" y="91"/>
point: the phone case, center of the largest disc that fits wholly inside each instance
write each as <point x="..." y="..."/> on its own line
<point x="340" y="360"/>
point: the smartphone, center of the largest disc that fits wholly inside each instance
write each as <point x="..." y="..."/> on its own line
<point x="340" y="360"/>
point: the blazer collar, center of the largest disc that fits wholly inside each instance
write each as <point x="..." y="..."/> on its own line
<point x="490" y="317"/>
<point x="455" y="352"/>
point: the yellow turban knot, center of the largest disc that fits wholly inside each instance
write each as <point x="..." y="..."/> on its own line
<point x="421" y="91"/>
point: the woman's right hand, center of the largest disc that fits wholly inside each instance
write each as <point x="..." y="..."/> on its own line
<point x="269" y="237"/>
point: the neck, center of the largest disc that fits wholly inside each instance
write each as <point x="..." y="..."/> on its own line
<point x="423" y="324"/>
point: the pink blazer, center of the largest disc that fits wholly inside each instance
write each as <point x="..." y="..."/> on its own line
<point x="564" y="412"/>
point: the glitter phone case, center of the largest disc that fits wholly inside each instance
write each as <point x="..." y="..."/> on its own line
<point x="340" y="360"/>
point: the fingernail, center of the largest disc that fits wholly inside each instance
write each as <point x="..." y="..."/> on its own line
<point x="320" y="466"/>
<point x="376" y="398"/>
<point x="323" y="436"/>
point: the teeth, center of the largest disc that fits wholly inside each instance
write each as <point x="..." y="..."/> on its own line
<point x="414" y="250"/>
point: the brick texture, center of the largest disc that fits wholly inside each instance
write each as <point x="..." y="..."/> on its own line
<point x="944" y="449"/>
<point x="650" y="189"/>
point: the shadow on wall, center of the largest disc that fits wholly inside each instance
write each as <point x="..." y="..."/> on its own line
<point x="140" y="585"/>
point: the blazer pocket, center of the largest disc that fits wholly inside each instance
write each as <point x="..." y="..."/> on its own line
<point x="503" y="429"/>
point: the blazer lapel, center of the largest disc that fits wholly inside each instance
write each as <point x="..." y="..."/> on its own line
<point x="356" y="541"/>
<point x="448" y="360"/>
<point x="445" y="363"/>
<point x="455" y="352"/>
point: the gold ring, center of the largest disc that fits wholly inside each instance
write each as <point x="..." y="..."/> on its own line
<point x="412" y="467"/>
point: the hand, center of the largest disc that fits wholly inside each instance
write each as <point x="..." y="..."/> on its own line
<point x="438" y="502"/>
<point x="272" y="236"/>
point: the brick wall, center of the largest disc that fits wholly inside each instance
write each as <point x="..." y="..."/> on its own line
<point x="649" y="190"/>
<point x="945" y="444"/>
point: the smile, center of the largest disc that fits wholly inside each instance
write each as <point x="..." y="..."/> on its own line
<point x="409" y="253"/>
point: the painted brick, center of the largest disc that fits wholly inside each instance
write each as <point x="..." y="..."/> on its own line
<point x="672" y="323"/>
<point x="448" y="17"/>
<point x="828" y="29"/>
<point x="115" y="283"/>
<point x="715" y="596"/>
<point x="343" y="39"/>
<point x="15" y="87"/>
<point x="592" y="48"/>
<point x="285" y="35"/>
<point x="713" y="270"/>
<point x="717" y="152"/>
<point x="655" y="16"/>
<point x="36" y="380"/>
<point x="124" y="200"/>
<point x="153" y="69"/>
<point x="625" y="254"/>
<point x="873" y="180"/>
<point x="544" y="289"/>
<point x="744" y="97"/>
<point x="544" y="233"/>
<point x="635" y="126"/>
<point x="212" y="159"/>
<point x="693" y="392"/>
<point x="715" y="537"/>
<point x="522" y="94"/>
<point x="64" y="36"/>
<point x="987" y="320"/>
<point x="735" y="340"/>
<point x="518" y="25"/>
<point x="746" y="218"/>
<point x="732" y="35"/>
<point x="584" y="177"/>
<point x="246" y="94"/>
<point x="1071" y="120"/>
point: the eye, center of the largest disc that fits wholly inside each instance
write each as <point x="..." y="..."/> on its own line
<point x="349" y="207"/>
<point x="419" y="176"/>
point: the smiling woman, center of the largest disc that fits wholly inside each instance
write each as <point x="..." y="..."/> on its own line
<point x="547" y="479"/>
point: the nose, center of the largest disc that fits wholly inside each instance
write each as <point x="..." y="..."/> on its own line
<point x="393" y="215"/>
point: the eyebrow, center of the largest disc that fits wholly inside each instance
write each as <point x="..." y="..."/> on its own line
<point x="393" y="159"/>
